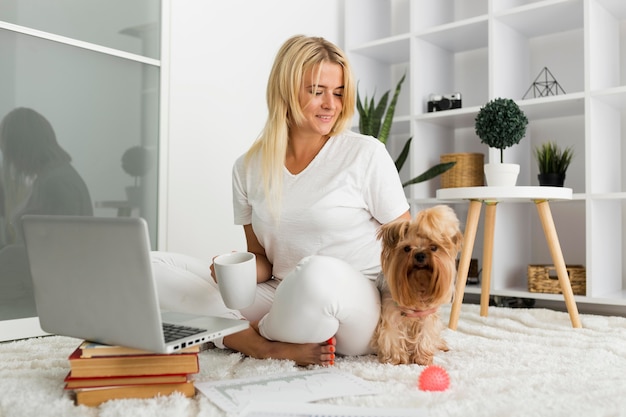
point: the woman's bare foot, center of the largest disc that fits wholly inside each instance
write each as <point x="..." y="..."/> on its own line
<point x="251" y="343"/>
<point x="314" y="353"/>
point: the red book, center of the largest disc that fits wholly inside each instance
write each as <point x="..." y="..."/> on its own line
<point x="72" y="382"/>
<point x="133" y="365"/>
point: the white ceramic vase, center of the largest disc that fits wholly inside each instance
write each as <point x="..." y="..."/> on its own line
<point x="134" y="195"/>
<point x="501" y="175"/>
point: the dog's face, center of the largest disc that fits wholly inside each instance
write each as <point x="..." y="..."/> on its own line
<point x="418" y="258"/>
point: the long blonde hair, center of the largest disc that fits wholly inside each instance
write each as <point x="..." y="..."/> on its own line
<point x="296" y="56"/>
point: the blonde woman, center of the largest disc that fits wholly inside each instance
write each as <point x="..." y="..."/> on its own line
<point x="310" y="195"/>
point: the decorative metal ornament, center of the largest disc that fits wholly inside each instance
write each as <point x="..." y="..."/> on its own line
<point x="544" y="85"/>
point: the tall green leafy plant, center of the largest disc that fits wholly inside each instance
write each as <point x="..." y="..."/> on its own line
<point x="375" y="119"/>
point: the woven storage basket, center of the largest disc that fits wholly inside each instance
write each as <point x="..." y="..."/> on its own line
<point x="467" y="172"/>
<point x="543" y="278"/>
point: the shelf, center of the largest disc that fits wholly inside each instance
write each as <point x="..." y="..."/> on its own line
<point x="457" y="118"/>
<point x="472" y="289"/>
<point x="369" y="20"/>
<point x="617" y="298"/>
<point x="553" y="106"/>
<point x="459" y="36"/>
<point x="427" y="13"/>
<point x="522" y="292"/>
<point x="615" y="97"/>
<point x="393" y="50"/>
<point x="535" y="108"/>
<point x="401" y="126"/>
<point x="543" y="18"/>
<point x="485" y="49"/>
<point x="615" y="7"/>
<point x="608" y="196"/>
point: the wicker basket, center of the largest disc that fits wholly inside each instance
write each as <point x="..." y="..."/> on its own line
<point x="468" y="171"/>
<point x="543" y="278"/>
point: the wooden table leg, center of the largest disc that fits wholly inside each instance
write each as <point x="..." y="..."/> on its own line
<point x="490" y="225"/>
<point x="471" y="225"/>
<point x="557" y="257"/>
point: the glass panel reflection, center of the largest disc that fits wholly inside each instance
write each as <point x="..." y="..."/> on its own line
<point x="38" y="178"/>
<point x="130" y="26"/>
<point x="78" y="135"/>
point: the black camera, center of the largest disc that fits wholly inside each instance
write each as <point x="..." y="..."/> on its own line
<point x="438" y="102"/>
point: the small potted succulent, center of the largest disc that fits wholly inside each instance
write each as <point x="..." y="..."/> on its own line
<point x="552" y="162"/>
<point x="501" y="124"/>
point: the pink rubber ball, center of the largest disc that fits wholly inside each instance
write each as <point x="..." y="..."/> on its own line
<point x="433" y="378"/>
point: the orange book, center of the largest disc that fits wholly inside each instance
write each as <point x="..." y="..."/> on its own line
<point x="94" y="349"/>
<point x="95" y="396"/>
<point x="133" y="365"/>
<point x="98" y="382"/>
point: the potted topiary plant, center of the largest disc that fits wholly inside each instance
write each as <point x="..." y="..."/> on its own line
<point x="501" y="124"/>
<point x="553" y="163"/>
<point x="136" y="162"/>
<point x="376" y="119"/>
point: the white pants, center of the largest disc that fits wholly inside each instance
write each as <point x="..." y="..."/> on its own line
<point x="321" y="298"/>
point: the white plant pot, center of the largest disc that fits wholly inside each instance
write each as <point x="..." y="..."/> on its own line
<point x="501" y="175"/>
<point x="134" y="194"/>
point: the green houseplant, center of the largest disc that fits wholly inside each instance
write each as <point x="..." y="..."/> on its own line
<point x="500" y="124"/>
<point x="136" y="162"/>
<point x="375" y="119"/>
<point x="552" y="162"/>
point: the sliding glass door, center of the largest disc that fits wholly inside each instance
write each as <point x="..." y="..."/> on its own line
<point x="79" y="117"/>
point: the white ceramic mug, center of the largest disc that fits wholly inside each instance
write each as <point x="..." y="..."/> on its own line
<point x="236" y="278"/>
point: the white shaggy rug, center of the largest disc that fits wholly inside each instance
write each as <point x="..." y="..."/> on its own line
<point x="516" y="362"/>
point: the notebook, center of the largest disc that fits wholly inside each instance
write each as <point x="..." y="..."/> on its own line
<point x="92" y="279"/>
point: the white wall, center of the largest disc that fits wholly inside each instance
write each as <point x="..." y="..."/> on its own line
<point x="220" y="56"/>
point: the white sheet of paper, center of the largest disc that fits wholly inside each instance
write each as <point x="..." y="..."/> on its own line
<point x="267" y="409"/>
<point x="296" y="387"/>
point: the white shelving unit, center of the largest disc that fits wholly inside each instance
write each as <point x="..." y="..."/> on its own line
<point x="496" y="48"/>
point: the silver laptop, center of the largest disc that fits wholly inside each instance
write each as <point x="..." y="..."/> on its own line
<point x="93" y="280"/>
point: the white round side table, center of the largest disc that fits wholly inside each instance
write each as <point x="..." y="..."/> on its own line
<point x="490" y="197"/>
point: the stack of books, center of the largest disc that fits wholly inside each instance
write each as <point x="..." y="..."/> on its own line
<point x="99" y="373"/>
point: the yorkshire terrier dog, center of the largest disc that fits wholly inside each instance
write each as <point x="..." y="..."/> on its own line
<point x="419" y="267"/>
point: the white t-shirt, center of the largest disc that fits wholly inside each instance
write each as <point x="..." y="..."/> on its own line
<point x="333" y="207"/>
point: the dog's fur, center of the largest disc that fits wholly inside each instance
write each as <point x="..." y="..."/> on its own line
<point x="419" y="267"/>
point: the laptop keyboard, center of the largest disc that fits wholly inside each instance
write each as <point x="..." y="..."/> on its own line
<point x="176" y="331"/>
